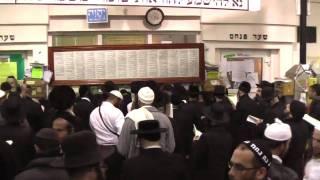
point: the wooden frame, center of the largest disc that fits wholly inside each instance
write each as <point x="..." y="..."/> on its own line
<point x="197" y="79"/>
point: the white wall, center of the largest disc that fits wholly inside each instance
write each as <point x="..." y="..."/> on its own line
<point x="69" y="18"/>
<point x="313" y="49"/>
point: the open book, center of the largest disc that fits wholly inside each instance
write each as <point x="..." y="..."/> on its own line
<point x="254" y="120"/>
<point x="314" y="122"/>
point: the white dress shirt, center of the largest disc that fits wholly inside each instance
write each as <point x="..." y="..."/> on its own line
<point x="112" y="117"/>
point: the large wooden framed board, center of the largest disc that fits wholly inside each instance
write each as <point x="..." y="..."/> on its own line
<point x="93" y="65"/>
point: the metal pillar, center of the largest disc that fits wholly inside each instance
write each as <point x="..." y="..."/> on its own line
<point x="302" y="35"/>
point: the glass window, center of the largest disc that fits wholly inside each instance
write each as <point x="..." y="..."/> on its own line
<point x="75" y="40"/>
<point x="174" y="38"/>
<point x="123" y="39"/>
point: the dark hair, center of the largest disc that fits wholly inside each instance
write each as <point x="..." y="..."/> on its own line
<point x="273" y="144"/>
<point x="5" y="86"/>
<point x="316" y="88"/>
<point x="62" y="97"/>
<point x="297" y="109"/>
<point x="84" y="90"/>
<point x="193" y="91"/>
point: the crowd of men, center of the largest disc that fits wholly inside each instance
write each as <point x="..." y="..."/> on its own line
<point x="149" y="133"/>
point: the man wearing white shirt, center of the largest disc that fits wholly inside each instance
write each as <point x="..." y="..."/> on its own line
<point x="106" y="122"/>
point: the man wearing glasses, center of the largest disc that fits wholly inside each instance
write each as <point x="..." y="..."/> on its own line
<point x="312" y="170"/>
<point x="250" y="161"/>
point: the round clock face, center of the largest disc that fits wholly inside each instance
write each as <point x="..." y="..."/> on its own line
<point x="154" y="16"/>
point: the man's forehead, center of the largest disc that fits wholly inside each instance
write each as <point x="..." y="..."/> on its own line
<point x="242" y="156"/>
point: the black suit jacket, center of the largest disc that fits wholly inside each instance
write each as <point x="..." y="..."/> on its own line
<point x="300" y="135"/>
<point x="211" y="154"/>
<point x="83" y="109"/>
<point x="155" y="164"/>
<point x="35" y="115"/>
<point x="278" y="171"/>
<point x="241" y="129"/>
<point x="184" y="118"/>
<point x="22" y="146"/>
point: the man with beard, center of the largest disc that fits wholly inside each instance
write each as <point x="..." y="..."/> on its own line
<point x="250" y="161"/>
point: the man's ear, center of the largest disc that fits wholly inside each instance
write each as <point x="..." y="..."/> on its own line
<point x="261" y="173"/>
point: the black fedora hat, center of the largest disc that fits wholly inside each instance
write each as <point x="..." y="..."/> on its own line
<point x="219" y="90"/>
<point x="265" y="84"/>
<point x="12" y="110"/>
<point x="216" y="114"/>
<point x="80" y="149"/>
<point x="62" y="97"/>
<point x="267" y="93"/>
<point x="148" y="127"/>
<point x="245" y="87"/>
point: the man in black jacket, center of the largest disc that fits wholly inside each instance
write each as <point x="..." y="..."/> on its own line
<point x="211" y="152"/>
<point x="278" y="137"/>
<point x="83" y="106"/>
<point x="242" y="130"/>
<point x="153" y="163"/>
<point x="48" y="148"/>
<point x="300" y="135"/>
<point x="16" y="130"/>
<point x="34" y="112"/>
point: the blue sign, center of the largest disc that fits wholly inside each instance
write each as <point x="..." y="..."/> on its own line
<point x="98" y="15"/>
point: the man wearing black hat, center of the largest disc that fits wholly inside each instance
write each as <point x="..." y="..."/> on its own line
<point x="211" y="153"/>
<point x="250" y="161"/>
<point x="128" y="145"/>
<point x="48" y="148"/>
<point x="34" y="112"/>
<point x="243" y="130"/>
<point x="83" y="106"/>
<point x="300" y="135"/>
<point x="81" y="157"/>
<point x="16" y="130"/>
<point x="62" y="98"/>
<point x="185" y="117"/>
<point x="260" y="86"/>
<point x="153" y="163"/>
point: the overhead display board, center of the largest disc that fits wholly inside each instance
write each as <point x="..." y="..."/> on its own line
<point x="167" y="63"/>
<point x="210" y="4"/>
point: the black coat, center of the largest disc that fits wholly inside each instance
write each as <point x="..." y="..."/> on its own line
<point x="300" y="134"/>
<point x="278" y="171"/>
<point x="22" y="138"/>
<point x="241" y="129"/>
<point x="34" y="113"/>
<point x="82" y="109"/>
<point x="185" y="116"/>
<point x="211" y="154"/>
<point x="314" y="109"/>
<point x="156" y="165"/>
<point x="40" y="169"/>
<point x="8" y="166"/>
